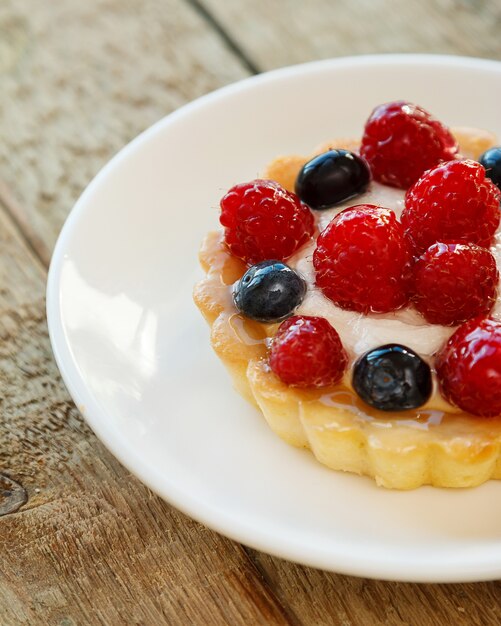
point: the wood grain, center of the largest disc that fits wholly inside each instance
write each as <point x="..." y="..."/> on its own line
<point x="274" y="34"/>
<point x="105" y="70"/>
<point x="322" y="598"/>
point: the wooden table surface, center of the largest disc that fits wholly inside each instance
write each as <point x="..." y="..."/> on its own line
<point x="81" y="540"/>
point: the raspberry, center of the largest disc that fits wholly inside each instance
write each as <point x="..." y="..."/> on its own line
<point x="363" y="259"/>
<point x="264" y="221"/>
<point x="307" y="352"/>
<point x="453" y="202"/>
<point x="454" y="282"/>
<point x="402" y="140"/>
<point x="469" y="367"/>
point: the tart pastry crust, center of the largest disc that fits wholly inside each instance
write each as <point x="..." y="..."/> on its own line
<point x="434" y="445"/>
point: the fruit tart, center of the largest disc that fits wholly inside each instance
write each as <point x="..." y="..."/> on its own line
<point x="353" y="296"/>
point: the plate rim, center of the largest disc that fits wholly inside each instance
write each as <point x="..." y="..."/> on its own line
<point x="343" y="561"/>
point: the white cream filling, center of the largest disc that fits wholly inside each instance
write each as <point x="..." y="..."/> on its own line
<point x="359" y="332"/>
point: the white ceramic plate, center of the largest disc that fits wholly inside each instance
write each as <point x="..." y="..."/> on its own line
<point x="134" y="352"/>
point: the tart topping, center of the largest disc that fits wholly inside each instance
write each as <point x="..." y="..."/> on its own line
<point x="453" y="202"/>
<point x="362" y="260"/>
<point x="332" y="178"/>
<point x="469" y="367"/>
<point x="264" y="221"/>
<point x="269" y="291"/>
<point x="307" y="352"/>
<point x="402" y="140"/>
<point x="491" y="160"/>
<point x="392" y="378"/>
<point x="454" y="282"/>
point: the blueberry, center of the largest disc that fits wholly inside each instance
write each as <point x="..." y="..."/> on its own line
<point x="491" y="160"/>
<point x="392" y="378"/>
<point x="269" y="291"/>
<point x="331" y="178"/>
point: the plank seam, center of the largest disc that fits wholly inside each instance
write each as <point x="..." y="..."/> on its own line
<point x="288" y="614"/>
<point x="229" y="41"/>
<point x="20" y="220"/>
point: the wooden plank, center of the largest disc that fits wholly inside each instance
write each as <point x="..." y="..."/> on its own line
<point x="93" y="545"/>
<point x="106" y="70"/>
<point x="274" y="34"/>
<point x="325" y="599"/>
